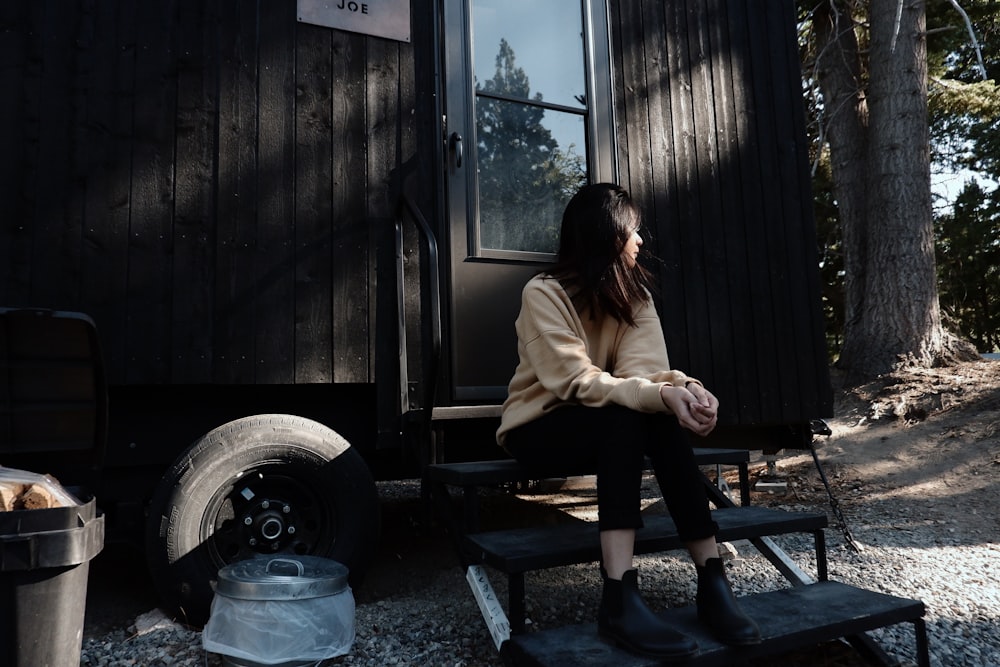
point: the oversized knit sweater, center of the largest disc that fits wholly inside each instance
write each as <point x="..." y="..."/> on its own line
<point x="565" y="359"/>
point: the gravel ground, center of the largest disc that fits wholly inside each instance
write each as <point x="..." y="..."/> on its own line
<point x="416" y="609"/>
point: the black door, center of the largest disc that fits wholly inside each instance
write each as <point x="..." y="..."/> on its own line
<point x="528" y="120"/>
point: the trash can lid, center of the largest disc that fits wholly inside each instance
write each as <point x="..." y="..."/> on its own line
<point x="284" y="577"/>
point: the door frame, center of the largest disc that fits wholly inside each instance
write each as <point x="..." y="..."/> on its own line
<point x="504" y="271"/>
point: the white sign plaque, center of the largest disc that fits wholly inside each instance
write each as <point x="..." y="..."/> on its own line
<point x="381" y="18"/>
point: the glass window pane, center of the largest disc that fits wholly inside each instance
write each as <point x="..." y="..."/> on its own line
<point x="543" y="39"/>
<point x="531" y="161"/>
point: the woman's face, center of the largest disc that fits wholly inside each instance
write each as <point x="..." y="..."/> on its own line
<point x="631" y="251"/>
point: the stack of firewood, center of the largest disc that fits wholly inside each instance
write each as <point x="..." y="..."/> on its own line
<point x="15" y="496"/>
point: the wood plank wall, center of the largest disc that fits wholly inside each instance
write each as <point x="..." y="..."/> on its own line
<point x="208" y="179"/>
<point x="711" y="141"/>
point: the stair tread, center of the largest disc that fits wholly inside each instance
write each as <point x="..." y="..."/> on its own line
<point x="476" y="473"/>
<point x="788" y="619"/>
<point x="535" y="548"/>
<point x="484" y="473"/>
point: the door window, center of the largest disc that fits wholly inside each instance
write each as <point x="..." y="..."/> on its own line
<point x="536" y="120"/>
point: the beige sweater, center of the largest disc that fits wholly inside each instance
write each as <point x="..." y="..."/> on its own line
<point x="565" y="360"/>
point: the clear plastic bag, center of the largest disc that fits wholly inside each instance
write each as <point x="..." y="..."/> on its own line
<point x="60" y="495"/>
<point x="271" y="632"/>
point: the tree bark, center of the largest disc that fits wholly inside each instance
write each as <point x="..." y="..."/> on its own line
<point x="904" y="319"/>
<point x="880" y="154"/>
<point x="839" y="71"/>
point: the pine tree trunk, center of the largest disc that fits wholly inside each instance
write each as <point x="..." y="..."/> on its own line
<point x="903" y="319"/>
<point x="846" y="122"/>
<point x="880" y="152"/>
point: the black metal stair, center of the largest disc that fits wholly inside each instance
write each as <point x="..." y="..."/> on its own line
<point x="526" y="549"/>
<point x="789" y="619"/>
<point x="809" y="613"/>
<point x="522" y="550"/>
<point x="517" y="551"/>
<point x="473" y="475"/>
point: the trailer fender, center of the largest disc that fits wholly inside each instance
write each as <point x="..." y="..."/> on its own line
<point x="265" y="484"/>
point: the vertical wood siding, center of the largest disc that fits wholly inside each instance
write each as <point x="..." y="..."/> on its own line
<point x="207" y="179"/>
<point x="711" y="142"/>
<point x="210" y="180"/>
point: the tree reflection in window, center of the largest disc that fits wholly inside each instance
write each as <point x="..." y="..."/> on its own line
<point x="525" y="176"/>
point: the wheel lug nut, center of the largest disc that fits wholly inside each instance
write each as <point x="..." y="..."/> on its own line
<point x="291" y="530"/>
<point x="247" y="520"/>
<point x="286" y="509"/>
<point x="264" y="504"/>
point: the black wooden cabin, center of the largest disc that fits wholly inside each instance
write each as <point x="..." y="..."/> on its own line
<point x="216" y="183"/>
<point x="266" y="216"/>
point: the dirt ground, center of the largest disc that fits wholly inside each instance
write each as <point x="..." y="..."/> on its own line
<point x="927" y="434"/>
<point x="932" y="434"/>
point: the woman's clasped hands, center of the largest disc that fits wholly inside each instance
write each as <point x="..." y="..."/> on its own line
<point x="695" y="407"/>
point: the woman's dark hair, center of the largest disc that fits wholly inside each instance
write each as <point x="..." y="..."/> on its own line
<point x="597" y="223"/>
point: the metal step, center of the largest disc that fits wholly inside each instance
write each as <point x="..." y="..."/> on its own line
<point x="541" y="547"/>
<point x="789" y="619"/>
<point x="501" y="471"/>
<point x="517" y="551"/>
<point x="471" y="475"/>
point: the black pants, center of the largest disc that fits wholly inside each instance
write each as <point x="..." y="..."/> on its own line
<point x="613" y="441"/>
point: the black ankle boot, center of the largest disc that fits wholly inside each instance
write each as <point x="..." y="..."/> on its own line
<point x="625" y="619"/>
<point x="718" y="609"/>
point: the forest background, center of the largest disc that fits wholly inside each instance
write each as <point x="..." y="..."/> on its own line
<point x="963" y="116"/>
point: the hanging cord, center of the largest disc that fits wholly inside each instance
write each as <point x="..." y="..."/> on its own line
<point x="820" y="427"/>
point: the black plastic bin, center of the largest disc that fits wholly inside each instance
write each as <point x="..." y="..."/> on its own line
<point x="45" y="559"/>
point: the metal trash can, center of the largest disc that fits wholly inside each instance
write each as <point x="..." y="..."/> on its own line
<point x="45" y="559"/>
<point x="287" y="610"/>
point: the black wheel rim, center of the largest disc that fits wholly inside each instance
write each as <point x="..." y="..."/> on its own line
<point x="269" y="508"/>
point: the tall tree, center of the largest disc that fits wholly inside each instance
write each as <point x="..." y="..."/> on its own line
<point x="968" y="246"/>
<point x="872" y="72"/>
<point x="964" y="103"/>
<point x="964" y="99"/>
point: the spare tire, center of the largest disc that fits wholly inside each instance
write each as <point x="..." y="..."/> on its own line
<point x="265" y="484"/>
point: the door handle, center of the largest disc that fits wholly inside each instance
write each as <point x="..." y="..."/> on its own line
<point x="455" y="145"/>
